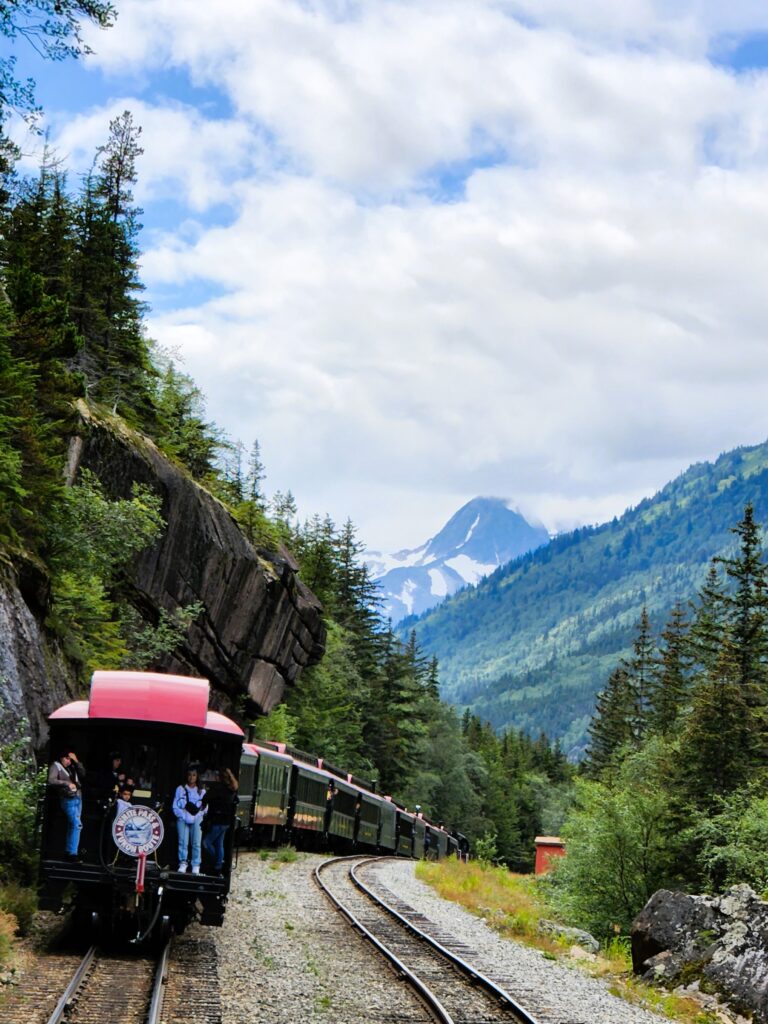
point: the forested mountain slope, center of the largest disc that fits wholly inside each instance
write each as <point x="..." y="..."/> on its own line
<point x="533" y="643"/>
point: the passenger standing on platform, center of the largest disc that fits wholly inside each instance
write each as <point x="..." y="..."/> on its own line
<point x="65" y="777"/>
<point x="189" y="808"/>
<point x="222" y="798"/>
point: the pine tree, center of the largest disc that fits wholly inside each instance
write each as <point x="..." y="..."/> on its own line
<point x="718" y="742"/>
<point x="639" y="670"/>
<point x="115" y="359"/>
<point x="709" y="627"/>
<point x="748" y="607"/>
<point x="255" y="478"/>
<point x="670" y="674"/>
<point x="612" y="728"/>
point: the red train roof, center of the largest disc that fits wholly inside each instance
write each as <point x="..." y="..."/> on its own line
<point x="149" y="697"/>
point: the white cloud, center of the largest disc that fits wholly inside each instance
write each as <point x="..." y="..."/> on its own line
<point x="402" y="329"/>
<point x="542" y="329"/>
<point x="187" y="157"/>
<point x="374" y="94"/>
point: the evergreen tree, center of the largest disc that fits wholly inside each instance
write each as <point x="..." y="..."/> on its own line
<point x="115" y="357"/>
<point x="670" y="674"/>
<point x="717" y="743"/>
<point x="640" y="672"/>
<point x="283" y="510"/>
<point x="181" y="429"/>
<point x="612" y="727"/>
<point x="747" y="607"/>
<point x="709" y="626"/>
<point x="255" y="478"/>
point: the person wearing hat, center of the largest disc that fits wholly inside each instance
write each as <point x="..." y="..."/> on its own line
<point x="65" y="777"/>
<point x="189" y="808"/>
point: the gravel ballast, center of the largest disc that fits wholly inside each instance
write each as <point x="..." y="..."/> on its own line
<point x="286" y="957"/>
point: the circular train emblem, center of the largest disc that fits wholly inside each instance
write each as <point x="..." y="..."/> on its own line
<point x="137" y="830"/>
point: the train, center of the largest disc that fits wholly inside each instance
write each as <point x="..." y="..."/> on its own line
<point x="125" y="880"/>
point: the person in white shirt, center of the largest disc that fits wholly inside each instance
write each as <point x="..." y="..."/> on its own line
<point x="189" y="807"/>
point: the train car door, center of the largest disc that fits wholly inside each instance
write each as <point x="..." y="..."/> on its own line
<point x="272" y="787"/>
<point x="342" y="819"/>
<point x="404" y="834"/>
<point x="387" y="825"/>
<point x="368" y="819"/>
<point x="310" y="790"/>
<point x="419" y="832"/>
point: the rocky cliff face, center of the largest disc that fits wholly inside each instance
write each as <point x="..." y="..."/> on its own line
<point x="34" y="675"/>
<point x="260" y="626"/>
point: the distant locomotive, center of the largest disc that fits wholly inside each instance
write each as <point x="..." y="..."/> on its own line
<point x="126" y="876"/>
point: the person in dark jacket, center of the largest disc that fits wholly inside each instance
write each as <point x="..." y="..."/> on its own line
<point x="65" y="777"/>
<point x="221" y="799"/>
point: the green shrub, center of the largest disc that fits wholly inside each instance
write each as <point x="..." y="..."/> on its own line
<point x="619" y="851"/>
<point x="8" y="927"/>
<point x="21" y="902"/>
<point x="19" y="789"/>
<point x="286" y="855"/>
<point x="732" y="846"/>
<point x="485" y="848"/>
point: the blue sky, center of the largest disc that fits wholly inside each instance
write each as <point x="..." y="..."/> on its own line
<point x="424" y="250"/>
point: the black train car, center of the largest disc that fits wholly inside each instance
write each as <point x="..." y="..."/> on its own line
<point x="126" y="876"/>
<point x="287" y="795"/>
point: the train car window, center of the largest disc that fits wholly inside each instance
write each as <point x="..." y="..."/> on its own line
<point x="369" y="811"/>
<point x="311" y="791"/>
<point x="247" y="775"/>
<point x="344" y="803"/>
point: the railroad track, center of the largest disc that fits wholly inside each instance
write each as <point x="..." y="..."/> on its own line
<point x="107" y="988"/>
<point x="453" y="990"/>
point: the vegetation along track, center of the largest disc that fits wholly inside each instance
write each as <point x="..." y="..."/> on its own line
<point x="109" y="988"/>
<point x="458" y="995"/>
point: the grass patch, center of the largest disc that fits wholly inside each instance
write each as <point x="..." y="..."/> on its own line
<point x="8" y="925"/>
<point x="509" y="903"/>
<point x="513" y="905"/>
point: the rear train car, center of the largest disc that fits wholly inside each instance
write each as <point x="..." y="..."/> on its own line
<point x="126" y="877"/>
<point x="289" y="796"/>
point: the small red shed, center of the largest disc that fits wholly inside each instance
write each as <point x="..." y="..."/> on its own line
<point x="547" y="847"/>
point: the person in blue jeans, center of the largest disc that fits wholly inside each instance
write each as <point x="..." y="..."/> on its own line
<point x="221" y="799"/>
<point x="65" y="777"/>
<point x="189" y="807"/>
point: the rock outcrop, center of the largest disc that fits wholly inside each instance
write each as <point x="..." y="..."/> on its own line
<point x="34" y="675"/>
<point x="260" y="626"/>
<point x="721" y="941"/>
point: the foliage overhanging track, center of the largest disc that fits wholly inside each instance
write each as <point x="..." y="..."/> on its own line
<point x="412" y="942"/>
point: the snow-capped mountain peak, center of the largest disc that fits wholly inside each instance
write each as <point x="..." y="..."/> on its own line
<point x="482" y="535"/>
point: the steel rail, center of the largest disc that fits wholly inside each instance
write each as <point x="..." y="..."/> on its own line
<point x="158" y="986"/>
<point x="475" y="976"/>
<point x="71" y="989"/>
<point x="431" y="1001"/>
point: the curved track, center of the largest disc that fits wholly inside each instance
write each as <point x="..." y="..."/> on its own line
<point x="453" y="996"/>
